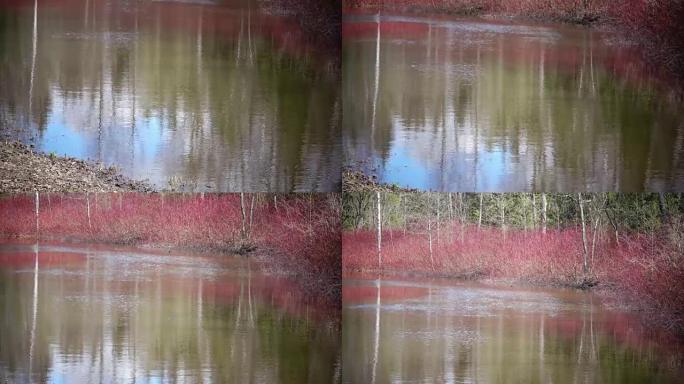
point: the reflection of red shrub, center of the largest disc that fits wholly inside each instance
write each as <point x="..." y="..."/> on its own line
<point x="367" y="294"/>
<point x="647" y="270"/>
<point x="656" y="23"/>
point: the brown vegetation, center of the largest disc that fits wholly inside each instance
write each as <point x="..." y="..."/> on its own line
<point x="23" y="169"/>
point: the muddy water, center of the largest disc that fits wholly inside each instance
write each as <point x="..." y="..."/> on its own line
<point x="194" y="95"/>
<point x="431" y="331"/>
<point x="89" y="315"/>
<point x="469" y="105"/>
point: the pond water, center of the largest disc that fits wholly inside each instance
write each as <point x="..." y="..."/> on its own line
<point x="194" y="95"/>
<point x="436" y="331"/>
<point x="101" y="315"/>
<point x="471" y="105"/>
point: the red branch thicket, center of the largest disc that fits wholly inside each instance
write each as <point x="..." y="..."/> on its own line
<point x="296" y="233"/>
<point x="646" y="270"/>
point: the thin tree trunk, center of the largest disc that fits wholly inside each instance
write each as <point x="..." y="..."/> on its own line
<point x="479" y="218"/>
<point x="451" y="208"/>
<point x="33" y="59"/>
<point x="437" y="224"/>
<point x="432" y="260"/>
<point x="379" y="228"/>
<point x="377" y="78"/>
<point x="615" y="228"/>
<point x="461" y="214"/>
<point x="88" y="208"/>
<point x="376" y="344"/>
<point x="503" y="215"/>
<point x="403" y="204"/>
<point x="451" y="215"/>
<point x="244" y="214"/>
<point x="251" y="213"/>
<point x="543" y="213"/>
<point x="525" y="219"/>
<point x="37" y="214"/>
<point x="534" y="212"/>
<point x="585" y="265"/>
<point x="593" y="238"/>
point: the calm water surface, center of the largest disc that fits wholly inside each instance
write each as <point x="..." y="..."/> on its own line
<point x="432" y="331"/>
<point x="455" y="104"/>
<point x="203" y="96"/>
<point x="99" y="315"/>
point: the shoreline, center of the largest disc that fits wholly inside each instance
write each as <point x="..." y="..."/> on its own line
<point x="324" y="304"/>
<point x="271" y="260"/>
<point x="24" y="169"/>
<point x="268" y="260"/>
<point x="606" y="291"/>
<point x="588" y="19"/>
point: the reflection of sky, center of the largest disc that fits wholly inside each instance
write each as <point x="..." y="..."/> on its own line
<point x="150" y="137"/>
<point x="60" y="139"/>
<point x="63" y="137"/>
<point x="414" y="160"/>
<point x="402" y="169"/>
<point x="491" y="169"/>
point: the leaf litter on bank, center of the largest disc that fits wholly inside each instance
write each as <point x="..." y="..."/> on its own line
<point x="24" y="170"/>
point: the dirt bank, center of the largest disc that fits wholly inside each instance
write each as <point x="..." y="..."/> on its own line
<point x="23" y="169"/>
<point x="354" y="181"/>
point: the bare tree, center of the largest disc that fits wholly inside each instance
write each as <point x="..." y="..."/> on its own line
<point x="534" y="212"/>
<point x="37" y="216"/>
<point x="479" y="212"/>
<point x="251" y="212"/>
<point x="585" y="265"/>
<point x="88" y="209"/>
<point x="432" y="260"/>
<point x="379" y="228"/>
<point x="502" y="213"/>
<point x="461" y="214"/>
<point x="543" y="213"/>
<point x="437" y="224"/>
<point x="244" y="214"/>
<point x="403" y="204"/>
